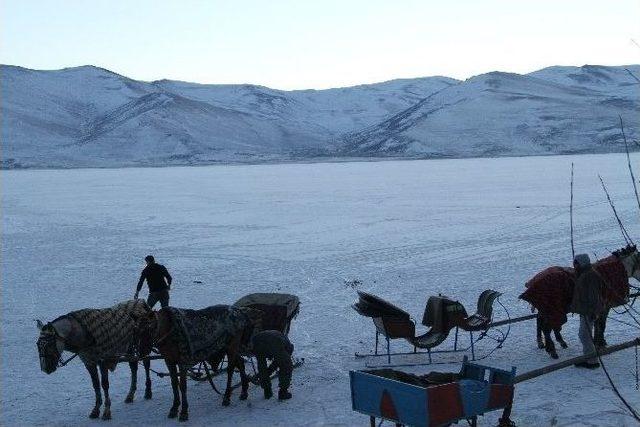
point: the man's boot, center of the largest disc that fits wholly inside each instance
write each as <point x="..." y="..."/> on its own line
<point x="284" y="394"/>
<point x="268" y="393"/>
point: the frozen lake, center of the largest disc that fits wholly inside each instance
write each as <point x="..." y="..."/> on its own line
<point x="407" y="229"/>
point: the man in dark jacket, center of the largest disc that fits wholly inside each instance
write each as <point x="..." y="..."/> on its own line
<point x="273" y="345"/>
<point x="155" y="275"/>
<point x="588" y="303"/>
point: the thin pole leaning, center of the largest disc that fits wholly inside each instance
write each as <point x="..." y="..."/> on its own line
<point x="625" y="235"/>
<point x="573" y="249"/>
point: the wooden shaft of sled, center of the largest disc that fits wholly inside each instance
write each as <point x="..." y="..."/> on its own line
<point x="512" y="320"/>
<point x="532" y="316"/>
<point x="570" y="362"/>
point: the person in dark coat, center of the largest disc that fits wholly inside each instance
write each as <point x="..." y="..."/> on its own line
<point x="273" y="345"/>
<point x="588" y="303"/>
<point x="159" y="282"/>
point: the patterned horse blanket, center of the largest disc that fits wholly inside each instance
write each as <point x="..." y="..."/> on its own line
<point x="112" y="330"/>
<point x="201" y="334"/>
<point x="551" y="290"/>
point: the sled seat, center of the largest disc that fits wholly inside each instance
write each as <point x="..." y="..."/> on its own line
<point x="429" y="340"/>
<point x="480" y="320"/>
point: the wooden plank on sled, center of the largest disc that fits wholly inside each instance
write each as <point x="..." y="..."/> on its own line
<point x="570" y="362"/>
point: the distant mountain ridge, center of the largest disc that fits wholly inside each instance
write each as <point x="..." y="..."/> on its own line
<point x="91" y="117"/>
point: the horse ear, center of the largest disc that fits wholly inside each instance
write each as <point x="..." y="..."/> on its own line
<point x="39" y="324"/>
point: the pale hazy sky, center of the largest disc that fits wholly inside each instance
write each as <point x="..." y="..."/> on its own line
<point x="316" y="44"/>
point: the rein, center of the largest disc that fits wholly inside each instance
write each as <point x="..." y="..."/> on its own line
<point x="61" y="363"/>
<point x="166" y="335"/>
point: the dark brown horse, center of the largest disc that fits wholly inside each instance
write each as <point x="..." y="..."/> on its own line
<point x="99" y="348"/>
<point x="175" y="332"/>
<point x="551" y="291"/>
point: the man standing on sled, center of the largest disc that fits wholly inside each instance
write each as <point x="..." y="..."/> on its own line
<point x="276" y="346"/>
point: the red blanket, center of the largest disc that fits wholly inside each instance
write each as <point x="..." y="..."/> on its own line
<point x="550" y="292"/>
<point x="612" y="271"/>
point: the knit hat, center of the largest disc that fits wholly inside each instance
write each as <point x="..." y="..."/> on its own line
<point x="582" y="260"/>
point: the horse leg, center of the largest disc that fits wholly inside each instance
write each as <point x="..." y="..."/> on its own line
<point x="95" y="380"/>
<point x="549" y="346"/>
<point x="184" y="411"/>
<point x="147" y="383"/>
<point x="539" y="332"/>
<point x="173" y="372"/>
<point x="104" y="373"/>
<point x="134" y="382"/>
<point x="244" y="380"/>
<point x="231" y="362"/>
<point x="558" y="335"/>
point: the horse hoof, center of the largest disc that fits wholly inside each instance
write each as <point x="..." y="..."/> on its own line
<point x="554" y="355"/>
<point x="226" y="402"/>
<point x="147" y="394"/>
<point x="129" y="399"/>
<point x="94" y="414"/>
<point x="183" y="417"/>
<point x="541" y="345"/>
<point x="564" y="345"/>
<point x="244" y="396"/>
<point x="172" y="413"/>
<point x="106" y="416"/>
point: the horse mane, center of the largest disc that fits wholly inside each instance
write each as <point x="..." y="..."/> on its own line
<point x="627" y="250"/>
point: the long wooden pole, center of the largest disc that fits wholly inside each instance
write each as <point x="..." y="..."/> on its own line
<point x="573" y="249"/>
<point x="512" y="320"/>
<point x="570" y="362"/>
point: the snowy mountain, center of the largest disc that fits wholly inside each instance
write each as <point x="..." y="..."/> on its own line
<point x="551" y="111"/>
<point x="88" y="116"/>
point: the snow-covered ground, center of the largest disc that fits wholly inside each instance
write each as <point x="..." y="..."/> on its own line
<point x="406" y="229"/>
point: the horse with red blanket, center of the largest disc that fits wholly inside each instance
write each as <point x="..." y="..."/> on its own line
<point x="551" y="291"/>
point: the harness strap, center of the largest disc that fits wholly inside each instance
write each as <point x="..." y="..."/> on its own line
<point x="61" y="363"/>
<point x="165" y="336"/>
<point x="209" y="377"/>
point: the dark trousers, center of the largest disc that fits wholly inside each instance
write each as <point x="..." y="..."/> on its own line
<point x="154" y="297"/>
<point x="283" y="364"/>
<point x="599" y="328"/>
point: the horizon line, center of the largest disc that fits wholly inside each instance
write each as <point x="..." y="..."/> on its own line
<point x="70" y="68"/>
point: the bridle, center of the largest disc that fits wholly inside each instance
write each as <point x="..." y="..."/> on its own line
<point x="50" y="356"/>
<point x="636" y="262"/>
<point x="153" y="329"/>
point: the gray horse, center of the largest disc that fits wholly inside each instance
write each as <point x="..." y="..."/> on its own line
<point x="99" y="337"/>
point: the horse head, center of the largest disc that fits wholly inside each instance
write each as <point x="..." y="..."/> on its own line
<point x="50" y="347"/>
<point x="630" y="258"/>
<point x="146" y="332"/>
<point x="253" y="324"/>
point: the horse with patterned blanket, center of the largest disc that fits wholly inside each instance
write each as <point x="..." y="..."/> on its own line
<point x="551" y="292"/>
<point x="100" y="337"/>
<point x="186" y="337"/>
